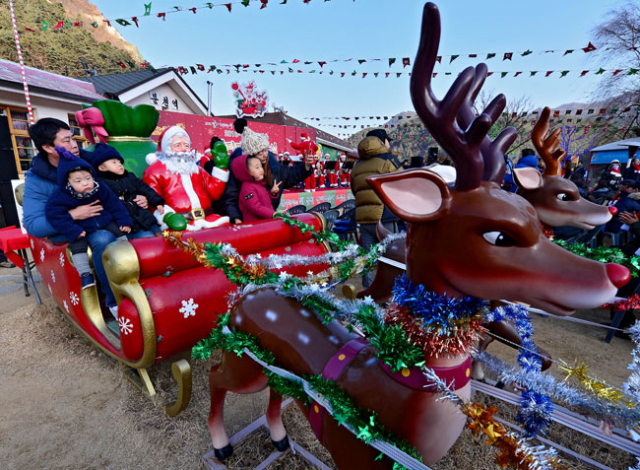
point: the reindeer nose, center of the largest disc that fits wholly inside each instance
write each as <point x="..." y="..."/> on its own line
<point x="613" y="210"/>
<point x="618" y="275"/>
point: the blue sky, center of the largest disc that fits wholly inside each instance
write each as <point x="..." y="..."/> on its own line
<point x="367" y="29"/>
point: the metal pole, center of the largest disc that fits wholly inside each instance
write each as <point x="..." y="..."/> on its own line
<point x="210" y="93"/>
<point x="24" y="75"/>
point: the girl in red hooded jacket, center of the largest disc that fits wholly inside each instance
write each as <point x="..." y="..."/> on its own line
<point x="254" y="198"/>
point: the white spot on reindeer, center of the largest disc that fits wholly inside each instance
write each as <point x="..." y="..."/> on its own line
<point x="75" y="300"/>
<point x="271" y="315"/>
<point x="333" y="339"/>
<point x="305" y="313"/>
<point x="304" y="339"/>
<point x="126" y="326"/>
<point x="41" y="253"/>
<point x="189" y="308"/>
<point x="250" y="296"/>
<point x="62" y="259"/>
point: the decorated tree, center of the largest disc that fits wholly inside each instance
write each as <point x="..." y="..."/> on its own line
<point x="577" y="141"/>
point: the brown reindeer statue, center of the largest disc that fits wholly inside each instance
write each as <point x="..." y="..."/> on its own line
<point x="474" y="240"/>
<point x="556" y="199"/>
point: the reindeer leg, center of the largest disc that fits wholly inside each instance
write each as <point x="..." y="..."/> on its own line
<point x="235" y="374"/>
<point x="274" y="421"/>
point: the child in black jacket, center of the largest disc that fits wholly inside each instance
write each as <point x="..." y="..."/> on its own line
<point x="109" y="164"/>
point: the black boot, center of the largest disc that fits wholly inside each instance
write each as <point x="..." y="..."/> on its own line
<point x="224" y="453"/>
<point x="282" y="444"/>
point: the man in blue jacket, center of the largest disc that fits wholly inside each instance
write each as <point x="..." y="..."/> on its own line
<point x="42" y="180"/>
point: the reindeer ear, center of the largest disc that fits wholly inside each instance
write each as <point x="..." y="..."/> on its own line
<point x="413" y="195"/>
<point x="528" y="178"/>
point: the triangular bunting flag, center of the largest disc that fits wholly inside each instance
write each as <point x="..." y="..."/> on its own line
<point x="45" y="25"/>
<point x="503" y="74"/>
<point x="454" y="57"/>
<point x="491" y="55"/>
<point x="526" y="53"/>
<point x="600" y="71"/>
<point x="568" y="51"/>
<point x="228" y="5"/>
<point x="563" y="73"/>
<point x="516" y="74"/>
<point x="583" y="73"/>
<point x="548" y="73"/>
<point x="507" y="56"/>
<point x="406" y="61"/>
<point x="590" y="47"/>
<point x="362" y="61"/>
<point x="392" y="61"/>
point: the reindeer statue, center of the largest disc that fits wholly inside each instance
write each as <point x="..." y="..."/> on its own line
<point x="474" y="240"/>
<point x="556" y="199"/>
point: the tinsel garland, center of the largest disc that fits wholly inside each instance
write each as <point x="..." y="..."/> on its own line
<point x="437" y="324"/>
<point x="344" y="409"/>
<point x="510" y="451"/>
<point x="623" y="305"/>
<point x="352" y="261"/>
<point x="563" y="393"/>
<point x="604" y="255"/>
<point x="580" y="372"/>
<point x="535" y="407"/>
<point x="632" y="385"/>
<point x="319" y="237"/>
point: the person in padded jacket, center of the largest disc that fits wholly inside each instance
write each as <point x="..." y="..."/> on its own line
<point x="375" y="159"/>
<point x="273" y="170"/>
<point x="136" y="195"/>
<point x="255" y="198"/>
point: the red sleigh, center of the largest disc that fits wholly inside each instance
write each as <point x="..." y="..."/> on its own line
<point x="167" y="300"/>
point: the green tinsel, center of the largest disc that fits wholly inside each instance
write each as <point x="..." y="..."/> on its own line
<point x="319" y="237"/>
<point x="390" y="342"/>
<point x="235" y="273"/>
<point x="604" y="255"/>
<point x="345" y="411"/>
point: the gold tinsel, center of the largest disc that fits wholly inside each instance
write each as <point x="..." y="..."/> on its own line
<point x="193" y="248"/>
<point x="580" y="371"/>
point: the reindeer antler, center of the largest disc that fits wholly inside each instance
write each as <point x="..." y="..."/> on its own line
<point x="492" y="151"/>
<point x="546" y="145"/>
<point x="439" y="116"/>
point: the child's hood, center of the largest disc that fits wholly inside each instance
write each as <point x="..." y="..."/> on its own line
<point x="69" y="162"/>
<point x="240" y="170"/>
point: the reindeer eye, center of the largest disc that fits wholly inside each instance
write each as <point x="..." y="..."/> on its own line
<point x="563" y="197"/>
<point x="499" y="239"/>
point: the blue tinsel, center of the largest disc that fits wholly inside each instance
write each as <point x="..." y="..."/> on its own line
<point x="535" y="407"/>
<point x="432" y="309"/>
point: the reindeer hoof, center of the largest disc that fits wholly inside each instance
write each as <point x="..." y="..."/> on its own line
<point x="282" y="444"/>
<point x="224" y="453"/>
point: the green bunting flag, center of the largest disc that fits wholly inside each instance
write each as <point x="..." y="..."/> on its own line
<point x="533" y="73"/>
<point x="633" y="71"/>
<point x="123" y="22"/>
<point x="95" y="24"/>
<point x="45" y="25"/>
<point x="491" y="55"/>
<point x="563" y="73"/>
<point x="147" y="9"/>
<point x="454" y="57"/>
<point x="600" y="71"/>
<point x="392" y="60"/>
<point x="526" y="53"/>
<point x="245" y="2"/>
<point x="503" y="74"/>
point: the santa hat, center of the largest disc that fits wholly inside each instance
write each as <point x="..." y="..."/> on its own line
<point x="304" y="136"/>
<point x="164" y="143"/>
<point x="253" y="142"/>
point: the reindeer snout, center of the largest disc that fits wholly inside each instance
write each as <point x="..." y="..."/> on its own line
<point x="613" y="210"/>
<point x="618" y="275"/>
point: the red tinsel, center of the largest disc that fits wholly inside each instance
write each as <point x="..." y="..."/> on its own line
<point x="631" y="303"/>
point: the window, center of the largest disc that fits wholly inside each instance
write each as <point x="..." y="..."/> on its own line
<point x="78" y="135"/>
<point x="23" y="147"/>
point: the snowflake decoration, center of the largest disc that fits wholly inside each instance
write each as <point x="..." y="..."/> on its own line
<point x="41" y="254"/>
<point x="49" y="286"/>
<point x="75" y="300"/>
<point x="125" y="324"/>
<point x="62" y="259"/>
<point x="188" y="308"/>
<point x="53" y="276"/>
<point x="66" y="306"/>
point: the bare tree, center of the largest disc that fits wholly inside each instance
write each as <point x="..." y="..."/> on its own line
<point x="618" y="39"/>
<point x="516" y="114"/>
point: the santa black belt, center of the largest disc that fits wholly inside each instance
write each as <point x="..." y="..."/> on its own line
<point x="197" y="214"/>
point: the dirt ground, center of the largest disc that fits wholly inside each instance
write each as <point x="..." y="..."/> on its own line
<point x="64" y="404"/>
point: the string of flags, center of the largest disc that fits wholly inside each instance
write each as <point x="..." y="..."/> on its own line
<point x="47" y="25"/>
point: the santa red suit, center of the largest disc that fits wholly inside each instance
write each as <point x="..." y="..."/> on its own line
<point x="186" y="187"/>
<point x="307" y="147"/>
<point x="321" y="173"/>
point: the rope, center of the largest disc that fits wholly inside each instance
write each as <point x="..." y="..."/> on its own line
<point x="19" y="49"/>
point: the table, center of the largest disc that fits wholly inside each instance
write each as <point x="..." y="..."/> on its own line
<point x="14" y="243"/>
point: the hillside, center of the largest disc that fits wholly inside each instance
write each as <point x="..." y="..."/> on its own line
<point x="61" y="51"/>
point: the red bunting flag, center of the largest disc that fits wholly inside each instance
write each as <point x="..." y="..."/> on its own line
<point x="295" y="61"/>
<point x="228" y="5"/>
<point x="590" y="47"/>
<point x="489" y="74"/>
<point x="341" y="74"/>
<point x="439" y="59"/>
<point x="29" y="29"/>
<point x="193" y="10"/>
<point x="59" y="25"/>
<point x="583" y="73"/>
<point x="108" y="22"/>
<point x="135" y="20"/>
<point x="556" y="114"/>
<point x="386" y="75"/>
<point x="548" y="73"/>
<point x="406" y="61"/>
<point x="364" y="74"/>
<point x="264" y="4"/>
<point x="434" y="74"/>
<point x="516" y="74"/>
<point x="77" y="24"/>
<point x="122" y="65"/>
<point x="200" y="67"/>
<point x="162" y="15"/>
<point x="321" y="63"/>
<point x="616" y="72"/>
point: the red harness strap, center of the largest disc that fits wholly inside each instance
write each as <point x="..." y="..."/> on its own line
<point x="331" y="371"/>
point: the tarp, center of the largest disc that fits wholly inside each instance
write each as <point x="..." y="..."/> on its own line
<point x="607" y="156"/>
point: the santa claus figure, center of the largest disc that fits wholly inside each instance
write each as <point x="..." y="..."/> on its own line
<point x="306" y="147"/>
<point x="320" y="172"/>
<point x="187" y="188"/>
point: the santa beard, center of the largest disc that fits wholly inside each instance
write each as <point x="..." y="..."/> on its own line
<point x="180" y="163"/>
